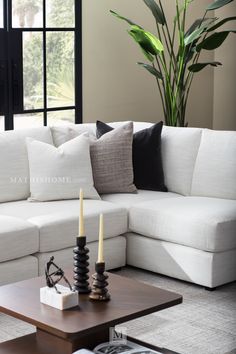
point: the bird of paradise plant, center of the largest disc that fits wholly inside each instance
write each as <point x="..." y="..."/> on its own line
<point x="174" y="69"/>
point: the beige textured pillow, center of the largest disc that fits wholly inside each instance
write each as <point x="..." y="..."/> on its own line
<point x="111" y="158"/>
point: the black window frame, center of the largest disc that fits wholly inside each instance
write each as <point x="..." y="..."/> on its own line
<point x="8" y="30"/>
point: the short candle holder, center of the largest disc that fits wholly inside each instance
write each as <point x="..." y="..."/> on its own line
<point x="81" y="263"/>
<point x="99" y="286"/>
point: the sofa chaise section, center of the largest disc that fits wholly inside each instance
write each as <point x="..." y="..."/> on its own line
<point x="207" y="224"/>
<point x="181" y="262"/>
<point x="189" y="238"/>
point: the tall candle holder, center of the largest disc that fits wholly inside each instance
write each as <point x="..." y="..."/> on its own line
<point x="99" y="286"/>
<point x="81" y="263"/>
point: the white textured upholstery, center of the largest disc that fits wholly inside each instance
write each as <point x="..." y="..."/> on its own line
<point x="208" y="224"/>
<point x="58" y="221"/>
<point x="61" y="134"/>
<point x="18" y="269"/>
<point x="114" y="253"/>
<point x="215" y="169"/>
<point x="127" y="200"/>
<point x="18" y="238"/>
<point x="190" y="238"/>
<point x="59" y="173"/>
<point x="181" y="262"/>
<point x="14" y="169"/>
<point x="179" y="152"/>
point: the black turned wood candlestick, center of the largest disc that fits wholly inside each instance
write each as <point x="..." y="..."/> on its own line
<point x="99" y="286"/>
<point x="81" y="263"/>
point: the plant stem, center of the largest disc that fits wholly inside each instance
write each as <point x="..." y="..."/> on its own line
<point x="160" y="37"/>
<point x="161" y="94"/>
<point x="168" y="31"/>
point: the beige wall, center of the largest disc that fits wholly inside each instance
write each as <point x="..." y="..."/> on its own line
<point x="115" y="88"/>
<point x="225" y="77"/>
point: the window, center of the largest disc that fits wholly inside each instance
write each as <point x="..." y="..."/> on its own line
<point x="43" y="83"/>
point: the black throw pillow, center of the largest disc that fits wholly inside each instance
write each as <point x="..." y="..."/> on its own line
<point x="147" y="160"/>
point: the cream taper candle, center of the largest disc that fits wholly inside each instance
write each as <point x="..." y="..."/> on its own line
<point x="81" y="213"/>
<point x="100" y="242"/>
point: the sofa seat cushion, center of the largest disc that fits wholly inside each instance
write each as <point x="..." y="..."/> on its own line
<point x="58" y="221"/>
<point x="208" y="224"/>
<point x="126" y="200"/>
<point x="18" y="238"/>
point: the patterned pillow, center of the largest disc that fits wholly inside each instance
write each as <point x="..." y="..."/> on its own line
<point x="111" y="158"/>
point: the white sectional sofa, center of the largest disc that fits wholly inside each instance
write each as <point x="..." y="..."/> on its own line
<point x="187" y="233"/>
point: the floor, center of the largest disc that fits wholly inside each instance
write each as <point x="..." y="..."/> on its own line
<point x="204" y="324"/>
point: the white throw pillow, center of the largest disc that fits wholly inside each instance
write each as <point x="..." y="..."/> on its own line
<point x="14" y="169"/>
<point x="59" y="173"/>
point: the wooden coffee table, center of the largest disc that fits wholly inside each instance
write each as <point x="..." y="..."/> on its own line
<point x="85" y="326"/>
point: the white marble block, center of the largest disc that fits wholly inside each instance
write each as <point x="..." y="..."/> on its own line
<point x="83" y="351"/>
<point x="63" y="301"/>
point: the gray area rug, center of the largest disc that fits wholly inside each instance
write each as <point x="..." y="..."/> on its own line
<point x="204" y="324"/>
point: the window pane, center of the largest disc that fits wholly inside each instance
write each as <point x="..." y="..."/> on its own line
<point x="27" y="13"/>
<point x="61" y="117"/>
<point x="1" y="13"/>
<point x="60" y="69"/>
<point x="33" y="70"/>
<point x="2" y="123"/>
<point x="60" y="13"/>
<point x="22" y="121"/>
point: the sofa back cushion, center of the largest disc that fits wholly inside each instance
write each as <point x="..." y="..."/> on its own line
<point x="179" y="152"/>
<point x="63" y="133"/>
<point x="14" y="169"/>
<point x="215" y="169"/>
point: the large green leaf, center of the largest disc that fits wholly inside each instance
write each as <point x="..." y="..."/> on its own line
<point x="151" y="70"/>
<point x="123" y="18"/>
<point x="196" y="24"/>
<point x="156" y="11"/>
<point x="147" y="40"/>
<point x="217" y="4"/>
<point x="196" y="30"/>
<point x="214" y="41"/>
<point x="149" y="56"/>
<point x="220" y="23"/>
<point x="195" y="68"/>
<point x="189" y="53"/>
<point x="193" y="36"/>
